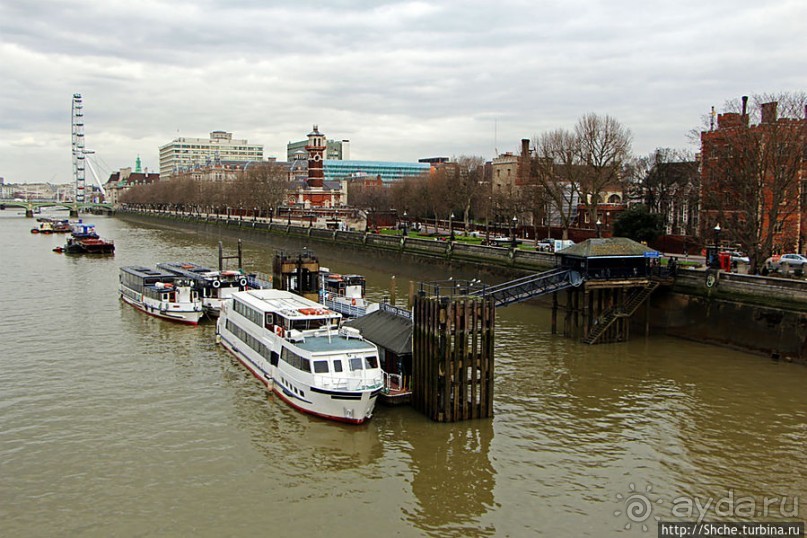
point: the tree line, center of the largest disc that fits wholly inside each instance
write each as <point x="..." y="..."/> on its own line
<point x="756" y="188"/>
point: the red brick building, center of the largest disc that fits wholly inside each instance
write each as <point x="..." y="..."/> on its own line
<point x="753" y="182"/>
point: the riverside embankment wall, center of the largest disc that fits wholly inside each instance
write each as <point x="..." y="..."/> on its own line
<point x="764" y="315"/>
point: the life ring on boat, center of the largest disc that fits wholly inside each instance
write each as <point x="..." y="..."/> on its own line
<point x="243" y="282"/>
<point x="216" y="284"/>
<point x="279" y="331"/>
<point x="353" y="301"/>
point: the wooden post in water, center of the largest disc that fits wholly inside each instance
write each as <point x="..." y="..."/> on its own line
<point x="452" y="357"/>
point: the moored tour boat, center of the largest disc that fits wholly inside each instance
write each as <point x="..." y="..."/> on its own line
<point x="299" y="350"/>
<point x="161" y="294"/>
<point x="216" y="286"/>
<point x="344" y="293"/>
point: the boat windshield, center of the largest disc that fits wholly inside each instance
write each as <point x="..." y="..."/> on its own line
<point x="359" y="363"/>
<point x="311" y="323"/>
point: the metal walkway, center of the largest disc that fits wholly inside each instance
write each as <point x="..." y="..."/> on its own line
<point x="527" y="287"/>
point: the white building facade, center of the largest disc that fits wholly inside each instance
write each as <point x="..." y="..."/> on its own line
<point x="181" y="154"/>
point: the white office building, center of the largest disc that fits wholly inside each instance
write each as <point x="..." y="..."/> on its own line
<point x="181" y="154"/>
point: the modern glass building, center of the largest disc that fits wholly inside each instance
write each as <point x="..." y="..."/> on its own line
<point x="389" y="171"/>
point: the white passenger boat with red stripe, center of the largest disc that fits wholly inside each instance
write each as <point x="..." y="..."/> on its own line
<point x="299" y="350"/>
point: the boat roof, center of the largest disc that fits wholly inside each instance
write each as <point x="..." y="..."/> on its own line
<point x="289" y="304"/>
<point x="148" y="272"/>
<point x="333" y="343"/>
<point x="189" y="269"/>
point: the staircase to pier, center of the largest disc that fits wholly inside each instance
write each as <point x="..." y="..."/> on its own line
<point x="623" y="311"/>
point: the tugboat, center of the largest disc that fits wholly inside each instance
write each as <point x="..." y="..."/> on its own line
<point x="84" y="240"/>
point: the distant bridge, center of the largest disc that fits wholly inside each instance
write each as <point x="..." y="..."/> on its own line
<point x="30" y="206"/>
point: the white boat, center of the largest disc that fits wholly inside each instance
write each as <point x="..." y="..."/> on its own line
<point x="161" y="294"/>
<point x="216" y="286"/>
<point x="344" y="294"/>
<point x="300" y="351"/>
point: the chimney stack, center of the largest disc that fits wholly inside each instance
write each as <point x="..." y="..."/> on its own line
<point x="769" y="112"/>
<point x="744" y="115"/>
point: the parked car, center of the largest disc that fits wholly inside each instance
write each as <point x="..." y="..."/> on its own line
<point x="786" y="262"/>
<point x="545" y="245"/>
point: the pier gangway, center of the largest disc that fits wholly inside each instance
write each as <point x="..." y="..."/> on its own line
<point x="530" y="286"/>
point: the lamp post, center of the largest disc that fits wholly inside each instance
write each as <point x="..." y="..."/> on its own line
<point x="451" y="226"/>
<point x="717" y="246"/>
<point x="289" y="216"/>
<point x="598" y="227"/>
<point x="271" y="214"/>
<point x="254" y="214"/>
<point x="405" y="222"/>
<point x="513" y="236"/>
<point x="487" y="222"/>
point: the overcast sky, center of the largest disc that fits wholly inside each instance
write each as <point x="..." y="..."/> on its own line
<point x="400" y="80"/>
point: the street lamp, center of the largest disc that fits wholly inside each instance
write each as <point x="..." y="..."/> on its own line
<point x="254" y="214"/>
<point x="515" y="223"/>
<point x="404" y="223"/>
<point x="289" y="215"/>
<point x="451" y="226"/>
<point x="598" y="227"/>
<point x="271" y="214"/>
<point x="716" y="254"/>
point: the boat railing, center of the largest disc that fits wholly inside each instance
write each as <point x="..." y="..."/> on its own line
<point x="347" y="383"/>
<point x="260" y="280"/>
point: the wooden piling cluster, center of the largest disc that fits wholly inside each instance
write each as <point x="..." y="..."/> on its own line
<point x="452" y="348"/>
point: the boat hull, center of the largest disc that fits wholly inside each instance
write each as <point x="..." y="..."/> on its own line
<point x="176" y="315"/>
<point x="355" y="407"/>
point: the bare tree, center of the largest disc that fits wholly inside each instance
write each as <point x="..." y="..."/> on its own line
<point x="602" y="146"/>
<point x="468" y="184"/>
<point x="268" y="183"/>
<point x="667" y="183"/>
<point x="557" y="174"/>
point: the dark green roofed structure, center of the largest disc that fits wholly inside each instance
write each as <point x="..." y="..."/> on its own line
<point x="610" y="258"/>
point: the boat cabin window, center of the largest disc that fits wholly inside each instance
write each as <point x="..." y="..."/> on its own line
<point x="294" y="360"/>
<point x="337" y="366"/>
<point x="356" y="364"/>
<point x="371" y="362"/>
<point x="320" y="367"/>
<point x="309" y="323"/>
<point x="270" y="320"/>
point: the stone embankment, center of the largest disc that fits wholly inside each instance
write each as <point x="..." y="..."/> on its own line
<point x="766" y="315"/>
